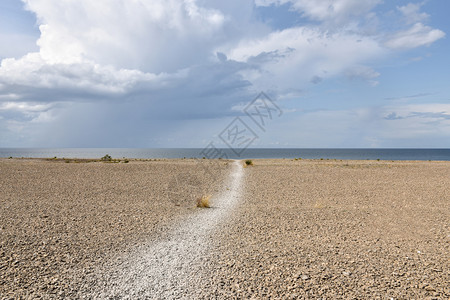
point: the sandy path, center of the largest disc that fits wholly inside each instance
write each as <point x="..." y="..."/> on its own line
<point x="171" y="266"/>
<point x="60" y="222"/>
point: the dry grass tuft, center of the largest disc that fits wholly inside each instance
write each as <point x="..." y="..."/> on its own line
<point x="319" y="205"/>
<point x="203" y="201"/>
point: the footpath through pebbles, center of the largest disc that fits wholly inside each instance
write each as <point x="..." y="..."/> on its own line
<point x="169" y="267"/>
<point x="61" y="222"/>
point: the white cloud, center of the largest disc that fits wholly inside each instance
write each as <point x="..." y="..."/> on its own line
<point x="124" y="45"/>
<point x="418" y="35"/>
<point x="24" y="106"/>
<point x="127" y="34"/>
<point x="336" y="11"/>
<point x="416" y="122"/>
<point x="32" y="70"/>
<point x="293" y="56"/>
<point x="102" y="57"/>
<point x="10" y="96"/>
<point x="412" y="14"/>
<point x="20" y="119"/>
<point x="119" y="48"/>
<point x="364" y="72"/>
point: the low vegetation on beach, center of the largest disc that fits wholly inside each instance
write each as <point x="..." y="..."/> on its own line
<point x="107" y="159"/>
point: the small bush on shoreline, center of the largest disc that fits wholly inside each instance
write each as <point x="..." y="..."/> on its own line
<point x="107" y="157"/>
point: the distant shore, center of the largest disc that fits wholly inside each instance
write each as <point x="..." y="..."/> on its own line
<point x="249" y="153"/>
<point x="301" y="229"/>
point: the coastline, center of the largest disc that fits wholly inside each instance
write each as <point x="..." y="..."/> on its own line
<point x="421" y="154"/>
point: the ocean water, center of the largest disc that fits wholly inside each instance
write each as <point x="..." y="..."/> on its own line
<point x="308" y="153"/>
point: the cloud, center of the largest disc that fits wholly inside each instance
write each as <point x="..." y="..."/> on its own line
<point x="393" y="116"/>
<point x="420" y="95"/>
<point x="433" y="115"/>
<point x="88" y="61"/>
<point x="123" y="50"/>
<point x="412" y="14"/>
<point x="34" y="72"/>
<point x="316" y="79"/>
<point x="104" y="69"/>
<point x="418" y="35"/>
<point x="421" y="114"/>
<point x="382" y="126"/>
<point x="145" y="35"/>
<point x="157" y="44"/>
<point x="417" y="125"/>
<point x="297" y="54"/>
<point x="363" y="72"/>
<point x="335" y="11"/>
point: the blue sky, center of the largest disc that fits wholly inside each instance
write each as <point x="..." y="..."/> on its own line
<point x="173" y="73"/>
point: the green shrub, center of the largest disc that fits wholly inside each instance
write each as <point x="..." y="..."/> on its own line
<point x="249" y="162"/>
<point x="107" y="157"/>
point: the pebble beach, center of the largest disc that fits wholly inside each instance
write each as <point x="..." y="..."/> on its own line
<point x="280" y="229"/>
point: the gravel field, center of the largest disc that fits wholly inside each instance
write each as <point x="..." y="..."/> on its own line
<point x="337" y="229"/>
<point x="279" y="229"/>
<point x="60" y="221"/>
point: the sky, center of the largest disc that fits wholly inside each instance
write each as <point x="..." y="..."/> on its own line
<point x="179" y="73"/>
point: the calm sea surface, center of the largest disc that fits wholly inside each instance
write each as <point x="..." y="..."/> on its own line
<point x="383" y="154"/>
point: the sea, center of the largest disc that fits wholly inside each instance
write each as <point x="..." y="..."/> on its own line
<point x="249" y="153"/>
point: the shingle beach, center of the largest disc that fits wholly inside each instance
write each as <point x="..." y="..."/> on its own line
<point x="281" y="229"/>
